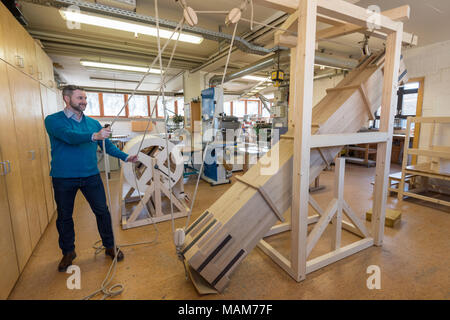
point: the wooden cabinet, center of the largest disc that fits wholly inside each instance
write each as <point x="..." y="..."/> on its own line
<point x="10" y="151"/>
<point x="45" y="73"/>
<point x="18" y="46"/>
<point x="8" y="263"/>
<point x="25" y="96"/>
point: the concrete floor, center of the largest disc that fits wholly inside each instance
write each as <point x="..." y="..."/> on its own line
<point x="414" y="260"/>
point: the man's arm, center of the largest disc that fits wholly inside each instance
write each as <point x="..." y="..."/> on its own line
<point x="60" y="131"/>
<point x="113" y="151"/>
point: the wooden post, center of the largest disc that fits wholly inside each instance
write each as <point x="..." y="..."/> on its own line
<point x="304" y="77"/>
<point x="339" y="173"/>
<point x="389" y="101"/>
<point x="401" y="185"/>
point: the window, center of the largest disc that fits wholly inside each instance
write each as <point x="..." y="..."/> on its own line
<point x="93" y="104"/>
<point x="112" y="103"/>
<point x="138" y="106"/>
<point x="227" y="108"/>
<point x="152" y="105"/>
<point x="252" y="107"/>
<point x="180" y="106"/>
<point x="408" y="95"/>
<point x="265" y="113"/>
<point x="239" y="108"/>
<point x="170" y="105"/>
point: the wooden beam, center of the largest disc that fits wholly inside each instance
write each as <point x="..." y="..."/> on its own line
<point x="388" y="107"/>
<point x="351" y="13"/>
<point x="429" y="153"/>
<point x="366" y="102"/>
<point x="304" y="78"/>
<point x="397" y="14"/>
<point x="288" y="6"/>
<point x="277" y="257"/>
<point x="342" y="139"/>
<point x="321" y="225"/>
<point x="326" y="259"/>
<point x="339" y="173"/>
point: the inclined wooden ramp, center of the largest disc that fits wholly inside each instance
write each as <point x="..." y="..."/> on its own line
<point x="225" y="233"/>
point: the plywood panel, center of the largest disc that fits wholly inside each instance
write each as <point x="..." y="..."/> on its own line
<point x="8" y="262"/>
<point x="10" y="151"/>
<point x="25" y="96"/>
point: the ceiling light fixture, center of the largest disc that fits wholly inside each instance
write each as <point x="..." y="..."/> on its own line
<point x="115" y="66"/>
<point x="134" y="28"/>
<point x="255" y="78"/>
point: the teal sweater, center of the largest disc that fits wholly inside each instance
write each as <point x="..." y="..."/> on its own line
<point x="74" y="154"/>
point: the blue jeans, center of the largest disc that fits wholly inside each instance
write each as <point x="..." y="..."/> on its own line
<point x="92" y="188"/>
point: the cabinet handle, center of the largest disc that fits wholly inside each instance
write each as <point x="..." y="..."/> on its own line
<point x="33" y="154"/>
<point x="4" y="169"/>
<point x="9" y="167"/>
<point x="19" y="61"/>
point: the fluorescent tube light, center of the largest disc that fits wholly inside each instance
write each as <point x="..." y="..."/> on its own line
<point x="255" y="78"/>
<point x="125" y="26"/>
<point x="115" y="66"/>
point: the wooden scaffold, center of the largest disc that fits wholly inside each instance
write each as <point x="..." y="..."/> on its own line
<point x="238" y="221"/>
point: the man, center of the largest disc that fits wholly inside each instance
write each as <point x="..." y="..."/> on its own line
<point x="74" y="139"/>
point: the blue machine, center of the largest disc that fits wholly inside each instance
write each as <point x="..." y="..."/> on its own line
<point x="212" y="107"/>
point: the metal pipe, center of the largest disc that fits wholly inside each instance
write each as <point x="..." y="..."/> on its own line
<point x="321" y="58"/>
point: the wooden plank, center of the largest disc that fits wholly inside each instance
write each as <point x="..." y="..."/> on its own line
<point x="329" y="140"/>
<point x="425" y="198"/>
<point x="339" y="174"/>
<point x="321" y="225"/>
<point x="431" y="119"/>
<point x="279" y="228"/>
<point x="429" y="153"/>
<point x="351" y="13"/>
<point x="277" y="257"/>
<point x="388" y="107"/>
<point x="355" y="220"/>
<point x="289" y="6"/>
<point x="366" y="102"/>
<point x="304" y="75"/>
<point x="326" y="259"/>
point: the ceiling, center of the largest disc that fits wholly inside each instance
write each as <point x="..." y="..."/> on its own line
<point x="68" y="46"/>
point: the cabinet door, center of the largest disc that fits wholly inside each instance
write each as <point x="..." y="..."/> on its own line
<point x="27" y="111"/>
<point x="46" y="155"/>
<point x="30" y="54"/>
<point x="10" y="151"/>
<point x="9" y="29"/>
<point x="2" y="37"/>
<point x="8" y="262"/>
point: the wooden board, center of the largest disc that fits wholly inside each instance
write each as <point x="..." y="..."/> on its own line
<point x="392" y="217"/>
<point x="222" y="237"/>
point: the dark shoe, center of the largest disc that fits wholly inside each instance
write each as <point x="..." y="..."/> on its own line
<point x="110" y="252"/>
<point x="66" y="261"/>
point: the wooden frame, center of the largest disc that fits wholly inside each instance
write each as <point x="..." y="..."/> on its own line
<point x="246" y="213"/>
<point x="424" y="170"/>
<point x="302" y="243"/>
<point x="418" y="113"/>
<point x="152" y="200"/>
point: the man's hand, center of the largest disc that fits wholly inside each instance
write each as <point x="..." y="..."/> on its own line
<point x="132" y="159"/>
<point x="102" y="134"/>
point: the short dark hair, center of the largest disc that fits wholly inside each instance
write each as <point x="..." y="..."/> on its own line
<point x="69" y="89"/>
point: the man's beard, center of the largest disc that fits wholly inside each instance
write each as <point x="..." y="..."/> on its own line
<point x="77" y="107"/>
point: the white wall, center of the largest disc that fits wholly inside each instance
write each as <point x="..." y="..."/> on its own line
<point x="433" y="63"/>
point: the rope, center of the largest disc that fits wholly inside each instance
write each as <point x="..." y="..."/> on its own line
<point x="118" y="288"/>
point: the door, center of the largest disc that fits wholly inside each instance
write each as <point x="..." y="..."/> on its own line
<point x="10" y="151"/>
<point x="48" y="104"/>
<point x="26" y="99"/>
<point x="8" y="261"/>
